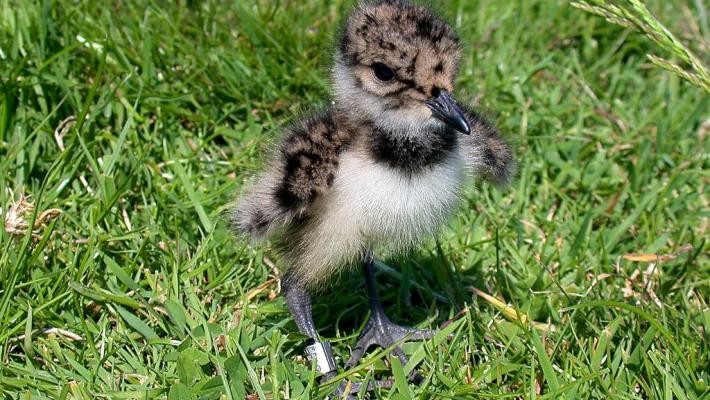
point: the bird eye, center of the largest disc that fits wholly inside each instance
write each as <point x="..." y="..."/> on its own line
<point x="382" y="72"/>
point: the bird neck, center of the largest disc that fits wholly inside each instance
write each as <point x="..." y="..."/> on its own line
<point x="410" y="154"/>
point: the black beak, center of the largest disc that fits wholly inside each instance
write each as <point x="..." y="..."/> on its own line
<point x="444" y="108"/>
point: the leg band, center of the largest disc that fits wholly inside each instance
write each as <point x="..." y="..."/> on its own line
<point x="322" y="354"/>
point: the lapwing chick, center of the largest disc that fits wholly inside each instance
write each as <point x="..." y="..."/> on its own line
<point x="382" y="167"/>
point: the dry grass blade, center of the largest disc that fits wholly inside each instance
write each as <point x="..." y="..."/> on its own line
<point x="20" y="213"/>
<point x="512" y="313"/>
<point x="649" y="258"/>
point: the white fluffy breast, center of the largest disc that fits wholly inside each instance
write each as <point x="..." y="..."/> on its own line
<point x="383" y="204"/>
<point x="371" y="204"/>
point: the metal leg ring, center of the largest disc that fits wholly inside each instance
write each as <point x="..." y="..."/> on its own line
<point x="322" y="354"/>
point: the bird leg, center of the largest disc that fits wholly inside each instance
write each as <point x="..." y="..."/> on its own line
<point x="380" y="331"/>
<point x="298" y="300"/>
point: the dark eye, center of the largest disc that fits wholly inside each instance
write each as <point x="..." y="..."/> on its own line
<point x="382" y="72"/>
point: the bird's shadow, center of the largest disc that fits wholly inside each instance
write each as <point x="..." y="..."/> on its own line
<point x="418" y="290"/>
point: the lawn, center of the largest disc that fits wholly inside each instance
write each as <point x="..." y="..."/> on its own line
<point x="127" y="128"/>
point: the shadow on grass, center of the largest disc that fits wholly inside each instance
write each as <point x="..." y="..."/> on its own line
<point x="410" y="288"/>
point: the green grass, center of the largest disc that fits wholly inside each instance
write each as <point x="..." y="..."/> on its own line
<point x="138" y="290"/>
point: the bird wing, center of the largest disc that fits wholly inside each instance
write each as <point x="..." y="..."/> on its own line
<point x="485" y="152"/>
<point x="302" y="168"/>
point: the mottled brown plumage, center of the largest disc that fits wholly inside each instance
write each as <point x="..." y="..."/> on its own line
<point x="302" y="168"/>
<point x="310" y="152"/>
<point x="421" y="49"/>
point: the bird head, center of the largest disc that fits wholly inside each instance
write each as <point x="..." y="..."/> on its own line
<point x="396" y="66"/>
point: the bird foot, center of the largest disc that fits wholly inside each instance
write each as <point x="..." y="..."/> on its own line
<point x="380" y="331"/>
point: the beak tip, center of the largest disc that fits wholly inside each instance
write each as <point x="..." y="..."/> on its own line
<point x="444" y="108"/>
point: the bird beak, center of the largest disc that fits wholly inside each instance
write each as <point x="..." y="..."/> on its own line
<point x="445" y="109"/>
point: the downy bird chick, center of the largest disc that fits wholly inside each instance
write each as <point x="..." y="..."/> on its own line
<point x="383" y="166"/>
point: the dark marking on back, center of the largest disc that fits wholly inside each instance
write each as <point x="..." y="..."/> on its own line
<point x="310" y="154"/>
<point x="424" y="27"/>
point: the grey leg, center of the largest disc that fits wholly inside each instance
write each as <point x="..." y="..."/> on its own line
<point x="298" y="300"/>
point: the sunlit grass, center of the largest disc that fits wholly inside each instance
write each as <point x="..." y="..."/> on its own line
<point x="138" y="122"/>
